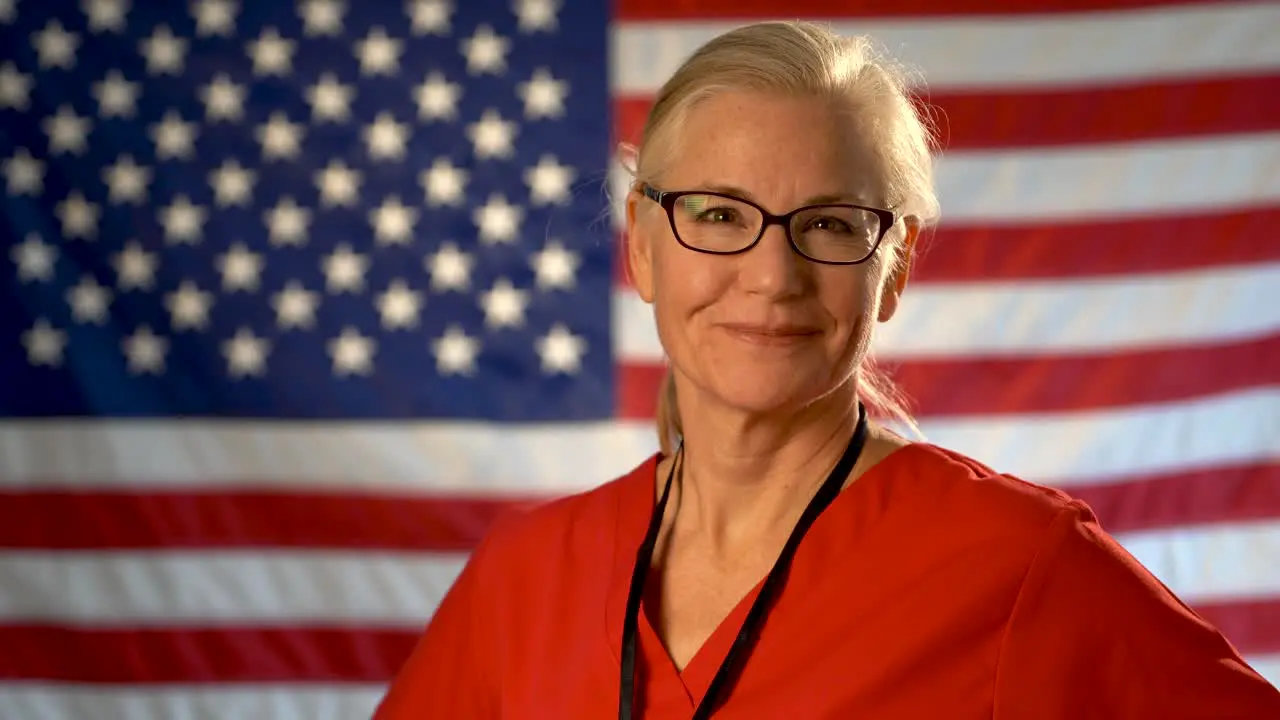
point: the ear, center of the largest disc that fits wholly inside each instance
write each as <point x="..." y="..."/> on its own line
<point x="893" y="286"/>
<point x="639" y="250"/>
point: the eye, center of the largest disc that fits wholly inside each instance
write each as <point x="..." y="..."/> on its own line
<point x="830" y="224"/>
<point x="718" y="215"/>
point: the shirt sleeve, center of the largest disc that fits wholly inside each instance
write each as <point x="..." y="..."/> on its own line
<point x="1095" y="634"/>
<point x="452" y="671"/>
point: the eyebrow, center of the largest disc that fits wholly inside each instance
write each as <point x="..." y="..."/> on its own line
<point x="812" y="200"/>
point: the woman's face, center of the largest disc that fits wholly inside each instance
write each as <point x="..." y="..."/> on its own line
<point x="767" y="329"/>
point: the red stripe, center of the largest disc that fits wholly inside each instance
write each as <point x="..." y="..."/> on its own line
<point x="203" y="655"/>
<point x="145" y="519"/>
<point x="1063" y="249"/>
<point x="1252" y="626"/>
<point x="832" y="9"/>
<point x="1072" y="116"/>
<point x="132" y="521"/>
<point x="1216" y="495"/>
<point x="1092" y="248"/>
<point x="994" y="386"/>
<point x="182" y="655"/>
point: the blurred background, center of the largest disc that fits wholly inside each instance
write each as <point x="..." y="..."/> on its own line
<point x="295" y="298"/>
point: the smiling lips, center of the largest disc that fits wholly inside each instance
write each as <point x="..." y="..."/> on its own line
<point x="772" y="334"/>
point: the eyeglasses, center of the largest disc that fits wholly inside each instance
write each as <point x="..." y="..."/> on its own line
<point x="720" y="224"/>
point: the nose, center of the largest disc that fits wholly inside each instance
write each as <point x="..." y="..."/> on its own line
<point x="773" y="268"/>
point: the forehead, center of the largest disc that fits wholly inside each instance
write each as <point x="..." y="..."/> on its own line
<point x="780" y="148"/>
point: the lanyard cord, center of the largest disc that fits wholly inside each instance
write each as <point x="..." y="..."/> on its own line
<point x="755" y="616"/>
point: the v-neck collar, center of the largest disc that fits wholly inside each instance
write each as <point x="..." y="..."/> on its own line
<point x="636" y="503"/>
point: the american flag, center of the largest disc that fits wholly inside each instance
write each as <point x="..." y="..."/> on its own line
<point x="299" y="296"/>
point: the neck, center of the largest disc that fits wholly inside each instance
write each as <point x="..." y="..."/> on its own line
<point x="747" y="476"/>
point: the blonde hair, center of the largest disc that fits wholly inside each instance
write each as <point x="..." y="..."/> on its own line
<point x="803" y="58"/>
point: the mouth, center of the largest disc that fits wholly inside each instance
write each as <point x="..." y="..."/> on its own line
<point x="771" y="334"/>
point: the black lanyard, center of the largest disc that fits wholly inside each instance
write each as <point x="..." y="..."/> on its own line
<point x="755" y="616"/>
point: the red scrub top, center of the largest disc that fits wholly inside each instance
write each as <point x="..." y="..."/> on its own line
<point x="931" y="587"/>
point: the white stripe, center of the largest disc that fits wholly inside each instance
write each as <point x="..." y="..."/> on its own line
<point x="212" y="587"/>
<point x="1268" y="666"/>
<point x="1231" y="561"/>
<point x="951" y="320"/>
<point x="1055" y="448"/>
<point x="402" y="589"/>
<point x="1100" y="446"/>
<point x="989" y="187"/>
<point x="401" y="457"/>
<point x="56" y="701"/>
<point x="1020" y="51"/>
<point x="1113" y="180"/>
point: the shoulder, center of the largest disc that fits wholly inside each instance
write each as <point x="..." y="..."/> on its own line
<point x="959" y="496"/>
<point x="571" y="523"/>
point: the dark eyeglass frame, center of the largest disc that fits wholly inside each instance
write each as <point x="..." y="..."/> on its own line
<point x="667" y="199"/>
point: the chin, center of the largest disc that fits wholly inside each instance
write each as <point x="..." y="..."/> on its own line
<point x="760" y="392"/>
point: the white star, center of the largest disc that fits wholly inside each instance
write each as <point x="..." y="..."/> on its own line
<point x="393" y="221"/>
<point x="450" y="268"/>
<point x="183" y="221"/>
<point x="352" y="353"/>
<point x="145" y="351"/>
<point x="241" y="268"/>
<point x="68" y="132"/>
<point x="429" y="17"/>
<point x="339" y="185"/>
<point x="24" y="174"/>
<point x="386" y="138"/>
<point x="223" y="99"/>
<point x="492" y="136"/>
<point x="321" y="17"/>
<point x="174" y="137"/>
<point x="189" y="306"/>
<point x="214" y="17"/>
<point x="554" y="267"/>
<point x="549" y="181"/>
<point x="271" y="53"/>
<point x="79" y="217"/>
<point x="126" y="181"/>
<point x="330" y="99"/>
<point x="504" y="305"/>
<point x="437" y="98"/>
<point x="536" y="15"/>
<point x="246" y="354"/>
<point x="444" y="183"/>
<point x="561" y="351"/>
<point x="455" y="352"/>
<point x="295" y="306"/>
<point x="486" y="51"/>
<point x="543" y="95"/>
<point x="287" y="223"/>
<point x="344" y="270"/>
<point x="497" y="220"/>
<point x="135" y="267"/>
<point x="279" y="137"/>
<point x="232" y="184"/>
<point x="35" y="258"/>
<point x="116" y="96"/>
<point x="165" y="52"/>
<point x="399" y="306"/>
<point x="105" y="15"/>
<point x="15" y="88"/>
<point x="44" y="343"/>
<point x="89" y="301"/>
<point x="55" y="47"/>
<point x="378" y="53"/>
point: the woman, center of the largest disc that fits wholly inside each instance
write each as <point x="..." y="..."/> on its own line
<point x="782" y="556"/>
